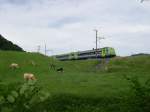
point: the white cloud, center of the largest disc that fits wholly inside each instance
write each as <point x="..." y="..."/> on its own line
<point x="67" y="25"/>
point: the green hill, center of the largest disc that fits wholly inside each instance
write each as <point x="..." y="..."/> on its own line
<point x="8" y="45"/>
<point x="79" y="77"/>
<point x="88" y="84"/>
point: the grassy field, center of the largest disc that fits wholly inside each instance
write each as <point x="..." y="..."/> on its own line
<point x="90" y="82"/>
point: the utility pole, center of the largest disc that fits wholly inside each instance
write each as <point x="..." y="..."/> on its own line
<point x="45" y="49"/>
<point x="96" y="37"/>
<point x="38" y="48"/>
<point x="96" y="41"/>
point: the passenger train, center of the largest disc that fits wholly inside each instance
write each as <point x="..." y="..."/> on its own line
<point x="106" y="52"/>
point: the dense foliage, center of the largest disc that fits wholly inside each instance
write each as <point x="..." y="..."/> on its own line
<point x="8" y="45"/>
<point x="22" y="97"/>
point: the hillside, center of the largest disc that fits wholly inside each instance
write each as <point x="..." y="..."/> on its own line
<point x="83" y="87"/>
<point x="8" y="45"/>
<point x="79" y="77"/>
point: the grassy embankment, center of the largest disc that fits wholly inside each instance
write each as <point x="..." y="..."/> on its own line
<point x="82" y="86"/>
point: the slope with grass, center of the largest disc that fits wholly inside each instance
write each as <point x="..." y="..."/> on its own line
<point x="79" y="77"/>
<point x="82" y="82"/>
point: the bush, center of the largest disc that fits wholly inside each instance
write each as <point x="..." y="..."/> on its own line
<point x="25" y="97"/>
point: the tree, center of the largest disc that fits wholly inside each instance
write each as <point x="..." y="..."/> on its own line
<point x="8" y="45"/>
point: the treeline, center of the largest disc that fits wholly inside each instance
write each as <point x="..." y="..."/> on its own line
<point x="8" y="45"/>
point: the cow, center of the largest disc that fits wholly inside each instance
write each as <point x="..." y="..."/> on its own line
<point x="60" y="70"/>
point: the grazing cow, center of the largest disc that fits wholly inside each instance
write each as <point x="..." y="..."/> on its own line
<point x="29" y="76"/>
<point x="14" y="66"/>
<point x="60" y="70"/>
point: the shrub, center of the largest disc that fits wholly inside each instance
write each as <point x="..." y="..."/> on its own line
<point x="23" y="97"/>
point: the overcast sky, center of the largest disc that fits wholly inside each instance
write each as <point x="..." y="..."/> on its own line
<point x="67" y="25"/>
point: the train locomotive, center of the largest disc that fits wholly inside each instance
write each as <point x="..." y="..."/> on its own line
<point x="106" y="52"/>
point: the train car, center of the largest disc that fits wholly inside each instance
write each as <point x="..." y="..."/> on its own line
<point x="88" y="54"/>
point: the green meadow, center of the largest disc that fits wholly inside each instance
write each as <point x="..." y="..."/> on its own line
<point x="84" y="86"/>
